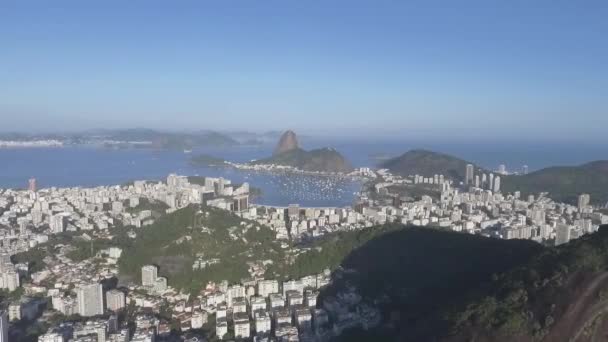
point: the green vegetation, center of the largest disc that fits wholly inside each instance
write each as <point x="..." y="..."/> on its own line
<point x="440" y="284"/>
<point x="33" y="257"/>
<point x="87" y="249"/>
<point x="416" y="191"/>
<point x="11" y="296"/>
<point x="325" y="160"/>
<point x="157" y="207"/>
<point x="418" y="272"/>
<point x="529" y="299"/>
<point x="169" y="140"/>
<point x="427" y="163"/>
<point x="331" y="251"/>
<point x="174" y="241"/>
<point x="564" y="183"/>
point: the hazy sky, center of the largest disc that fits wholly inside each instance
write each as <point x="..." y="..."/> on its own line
<point x="428" y="68"/>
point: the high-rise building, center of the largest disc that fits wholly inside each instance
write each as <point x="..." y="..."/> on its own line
<point x="51" y="337"/>
<point x="583" y="201"/>
<point x="502" y="169"/>
<point x="219" y="186"/>
<point x="241" y="203"/>
<point x="31" y="184"/>
<point x="172" y="181"/>
<point x="470" y="171"/>
<point x="149" y="273"/>
<point x="497" y="184"/>
<point x="14" y="312"/>
<point x="293" y="210"/>
<point x="57" y="223"/>
<point x="115" y="300"/>
<point x="266" y="287"/>
<point x="90" y="300"/>
<point x="491" y="181"/>
<point x="3" y="326"/>
<point x="525" y="169"/>
<point x="91" y="329"/>
<point x="10" y="279"/>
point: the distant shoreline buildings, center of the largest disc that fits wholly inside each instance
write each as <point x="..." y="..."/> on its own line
<point x="30" y="143"/>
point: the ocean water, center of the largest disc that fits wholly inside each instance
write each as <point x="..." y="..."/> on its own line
<point x="91" y="166"/>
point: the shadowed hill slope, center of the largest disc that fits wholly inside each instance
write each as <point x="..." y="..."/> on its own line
<point x="416" y="272"/>
<point x="440" y="286"/>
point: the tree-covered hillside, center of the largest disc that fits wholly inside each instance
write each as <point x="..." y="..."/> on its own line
<point x="176" y="240"/>
<point x="323" y="159"/>
<point x="564" y="183"/>
<point x="427" y="163"/>
<point x="170" y="140"/>
<point x="414" y="273"/>
<point x="560" y="294"/>
<point x="433" y="285"/>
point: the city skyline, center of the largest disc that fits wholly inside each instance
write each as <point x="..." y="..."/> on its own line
<point x="468" y="70"/>
<point x="312" y="171"/>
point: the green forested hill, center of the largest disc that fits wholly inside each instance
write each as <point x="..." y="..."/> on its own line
<point x="171" y="140"/>
<point x="427" y="163"/>
<point x="417" y="272"/>
<point x="174" y="241"/>
<point x="324" y="159"/>
<point x="564" y="183"/>
<point x="443" y="286"/>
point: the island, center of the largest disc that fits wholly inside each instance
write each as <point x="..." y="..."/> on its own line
<point x="288" y="153"/>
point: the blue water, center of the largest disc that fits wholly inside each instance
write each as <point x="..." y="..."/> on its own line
<point x="91" y="166"/>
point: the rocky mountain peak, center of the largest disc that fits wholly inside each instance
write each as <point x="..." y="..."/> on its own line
<point x="287" y="142"/>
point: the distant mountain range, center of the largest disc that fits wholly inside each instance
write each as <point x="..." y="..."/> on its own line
<point x="563" y="183"/>
<point x="170" y="140"/>
<point x="133" y="137"/>
<point x="288" y="153"/>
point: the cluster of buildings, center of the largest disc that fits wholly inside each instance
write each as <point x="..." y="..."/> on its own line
<point x="265" y="308"/>
<point x="364" y="172"/>
<point x="502" y="170"/>
<point x="256" y="309"/>
<point x="260" y="309"/>
<point x="30" y="143"/>
<point x="478" y="207"/>
<point x="486" y="182"/>
<point x="295" y="223"/>
<point x="31" y="216"/>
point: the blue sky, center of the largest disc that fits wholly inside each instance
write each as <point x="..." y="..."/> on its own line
<point x="533" y="69"/>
